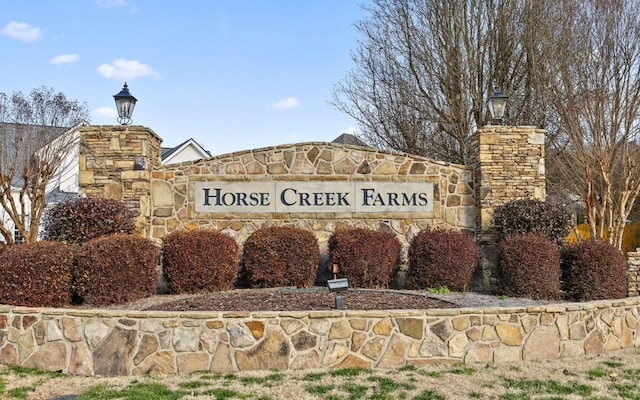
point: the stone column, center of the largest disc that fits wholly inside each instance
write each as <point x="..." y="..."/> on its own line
<point x="634" y="272"/>
<point x="508" y="164"/>
<point x="115" y="162"/>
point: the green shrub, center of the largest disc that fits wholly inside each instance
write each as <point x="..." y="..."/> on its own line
<point x="442" y="258"/>
<point x="36" y="274"/>
<point x="116" y="269"/>
<point x="79" y="220"/>
<point x="529" y="266"/>
<point x="198" y="261"/>
<point x="532" y="216"/>
<point x="281" y="256"/>
<point x="367" y="258"/>
<point x="594" y="270"/>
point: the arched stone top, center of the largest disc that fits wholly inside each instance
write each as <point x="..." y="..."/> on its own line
<point x="324" y="160"/>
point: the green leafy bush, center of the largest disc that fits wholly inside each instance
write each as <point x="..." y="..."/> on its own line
<point x="367" y="258"/>
<point x="594" y="270"/>
<point x="36" y="274"/>
<point x="281" y="256"/>
<point x="79" y="220"/>
<point x="532" y="216"/>
<point x="116" y="269"/>
<point x="440" y="257"/>
<point x="529" y="266"/>
<point x="198" y="261"/>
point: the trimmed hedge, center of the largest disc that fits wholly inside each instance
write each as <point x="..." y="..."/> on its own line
<point x="36" y="274"/>
<point x="199" y="261"/>
<point x="367" y="258"/>
<point x="79" y="220"/>
<point x="532" y="216"/>
<point x="440" y="257"/>
<point x="529" y="266"/>
<point x="281" y="256"/>
<point x="594" y="270"/>
<point x="116" y="269"/>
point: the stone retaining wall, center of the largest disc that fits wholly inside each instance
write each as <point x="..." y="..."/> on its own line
<point x="118" y="343"/>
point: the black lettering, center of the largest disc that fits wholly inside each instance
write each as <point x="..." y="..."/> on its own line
<point x="226" y="201"/>
<point x="241" y="199"/>
<point x="409" y="200"/>
<point x="304" y="199"/>
<point x="283" y="196"/>
<point x="342" y="199"/>
<point x="264" y="199"/>
<point x="367" y="195"/>
<point x="207" y="196"/>
<point x="423" y="199"/>
<point x="330" y="199"/>
<point x="318" y="199"/>
<point x="378" y="199"/>
<point x="393" y="199"/>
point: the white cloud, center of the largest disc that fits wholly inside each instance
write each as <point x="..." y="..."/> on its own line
<point x="21" y="31"/>
<point x="111" y="3"/>
<point x="105" y="112"/>
<point x="127" y="69"/>
<point x="287" y="104"/>
<point x="64" y="59"/>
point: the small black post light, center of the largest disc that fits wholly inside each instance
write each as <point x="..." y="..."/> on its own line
<point x="125" y="103"/>
<point x="497" y="104"/>
<point x="337" y="286"/>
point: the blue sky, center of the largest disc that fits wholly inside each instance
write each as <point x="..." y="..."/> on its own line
<point x="232" y="74"/>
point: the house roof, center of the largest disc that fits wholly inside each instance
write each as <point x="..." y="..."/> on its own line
<point x="169" y="152"/>
<point x="11" y="133"/>
<point x="347" y="138"/>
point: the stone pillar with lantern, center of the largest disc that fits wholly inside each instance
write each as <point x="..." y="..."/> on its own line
<point x="116" y="161"/>
<point x="508" y="164"/>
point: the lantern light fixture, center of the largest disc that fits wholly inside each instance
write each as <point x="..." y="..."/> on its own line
<point x="125" y="104"/>
<point x="497" y="104"/>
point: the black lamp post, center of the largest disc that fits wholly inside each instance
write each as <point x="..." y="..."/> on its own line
<point x="497" y="104"/>
<point x="125" y="103"/>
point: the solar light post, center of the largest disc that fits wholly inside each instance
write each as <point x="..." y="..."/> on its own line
<point x="338" y="286"/>
<point x="125" y="103"/>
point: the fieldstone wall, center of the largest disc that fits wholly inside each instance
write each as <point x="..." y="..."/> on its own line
<point x="118" y="343"/>
<point x="115" y="162"/>
<point x="633" y="258"/>
<point x="505" y="163"/>
<point x="173" y="190"/>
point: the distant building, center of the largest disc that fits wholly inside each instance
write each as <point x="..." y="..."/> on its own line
<point x="347" y="138"/>
<point x="189" y="150"/>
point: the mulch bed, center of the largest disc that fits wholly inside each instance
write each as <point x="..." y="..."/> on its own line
<point x="297" y="300"/>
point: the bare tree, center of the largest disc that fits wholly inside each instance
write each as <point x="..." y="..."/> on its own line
<point x="597" y="99"/>
<point x="424" y="69"/>
<point x="35" y="139"/>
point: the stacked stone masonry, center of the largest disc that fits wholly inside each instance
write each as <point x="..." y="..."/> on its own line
<point x="119" y="343"/>
<point x="634" y="272"/>
<point x="508" y="164"/>
<point x="115" y="163"/>
<point x="173" y="189"/>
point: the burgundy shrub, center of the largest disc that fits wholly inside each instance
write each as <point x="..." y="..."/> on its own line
<point x="367" y="258"/>
<point x="36" y="274"/>
<point x="594" y="270"/>
<point x="116" y="269"/>
<point x="202" y="260"/>
<point x="281" y="256"/>
<point x="529" y="266"/>
<point x="79" y="220"/>
<point x="440" y="257"/>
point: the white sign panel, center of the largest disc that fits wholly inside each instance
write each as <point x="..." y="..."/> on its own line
<point x="303" y="196"/>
